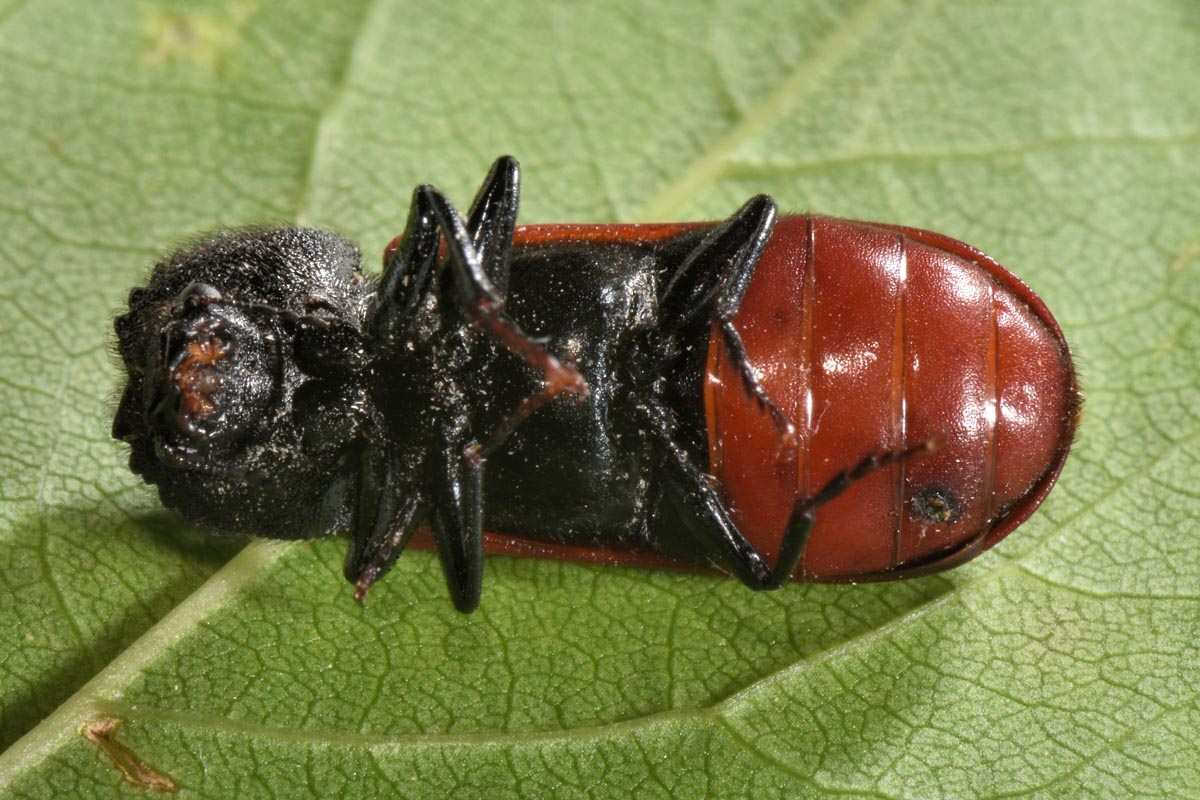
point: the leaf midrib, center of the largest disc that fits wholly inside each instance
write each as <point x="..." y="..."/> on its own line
<point x="707" y="166"/>
<point x="85" y="705"/>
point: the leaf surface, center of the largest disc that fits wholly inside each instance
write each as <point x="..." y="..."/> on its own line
<point x="1062" y="139"/>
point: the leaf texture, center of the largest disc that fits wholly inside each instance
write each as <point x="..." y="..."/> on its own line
<point x="1064" y="139"/>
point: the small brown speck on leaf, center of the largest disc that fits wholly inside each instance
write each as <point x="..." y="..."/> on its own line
<point x="102" y="733"/>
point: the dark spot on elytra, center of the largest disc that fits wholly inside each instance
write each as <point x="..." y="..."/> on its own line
<point x="936" y="505"/>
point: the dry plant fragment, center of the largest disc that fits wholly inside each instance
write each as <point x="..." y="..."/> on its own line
<point x="102" y="733"/>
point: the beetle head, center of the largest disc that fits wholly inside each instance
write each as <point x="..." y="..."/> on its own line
<point x="244" y="360"/>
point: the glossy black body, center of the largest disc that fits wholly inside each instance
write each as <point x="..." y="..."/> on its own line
<point x="582" y="471"/>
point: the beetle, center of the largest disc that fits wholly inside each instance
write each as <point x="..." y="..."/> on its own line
<point x="687" y="393"/>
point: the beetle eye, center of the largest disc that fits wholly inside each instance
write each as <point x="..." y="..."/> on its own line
<point x="210" y="381"/>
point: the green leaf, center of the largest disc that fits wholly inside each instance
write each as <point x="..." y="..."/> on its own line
<point x="1062" y="138"/>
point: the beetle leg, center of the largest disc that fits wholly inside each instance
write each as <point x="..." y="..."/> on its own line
<point x="456" y="485"/>
<point x="408" y="269"/>
<point x="379" y="528"/>
<point x="485" y="307"/>
<point x="720" y="267"/>
<point x="492" y="219"/>
<point x="510" y="423"/>
<point x="377" y="555"/>
<point x="791" y="547"/>
<point x="740" y="361"/>
<point x="713" y="280"/>
<point x="708" y="519"/>
<point x="701" y="507"/>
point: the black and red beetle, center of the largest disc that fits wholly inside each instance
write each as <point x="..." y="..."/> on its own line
<point x="639" y="394"/>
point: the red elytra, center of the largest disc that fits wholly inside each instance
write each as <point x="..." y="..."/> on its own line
<point x="872" y="338"/>
<point x="876" y="337"/>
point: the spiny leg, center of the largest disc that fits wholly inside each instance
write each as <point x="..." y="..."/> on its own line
<point x="485" y="308"/>
<point x="803" y="516"/>
<point x="720" y="267"/>
<point x="409" y="264"/>
<point x="707" y="517"/>
<point x="789" y="443"/>
<point x="408" y="269"/>
<point x="492" y="219"/>
<point x="387" y="511"/>
<point x="378" y="555"/>
<point x="701" y="507"/>
<point x="451" y="491"/>
<point x="383" y="519"/>
<point x="713" y="280"/>
<point x="456" y="481"/>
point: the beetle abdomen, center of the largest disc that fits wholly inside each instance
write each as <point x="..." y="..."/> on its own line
<point x="873" y="339"/>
